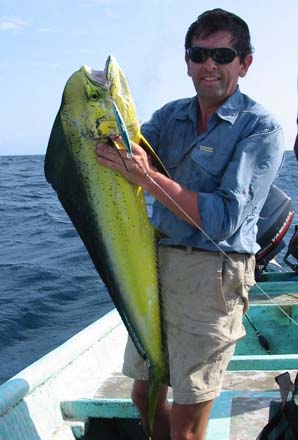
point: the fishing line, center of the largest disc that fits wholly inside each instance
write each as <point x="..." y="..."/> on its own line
<point x="277" y="305"/>
<point x="194" y="223"/>
<point x="113" y="143"/>
<point x="125" y="137"/>
<point x="183" y="211"/>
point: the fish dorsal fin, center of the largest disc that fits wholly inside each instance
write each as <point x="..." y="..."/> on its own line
<point x="121" y="94"/>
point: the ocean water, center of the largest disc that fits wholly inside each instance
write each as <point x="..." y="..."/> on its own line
<point x="49" y="289"/>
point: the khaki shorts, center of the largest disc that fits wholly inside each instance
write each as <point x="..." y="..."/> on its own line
<point x="204" y="296"/>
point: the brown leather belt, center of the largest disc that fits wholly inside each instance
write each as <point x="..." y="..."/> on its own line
<point x="190" y="249"/>
<point x="183" y="248"/>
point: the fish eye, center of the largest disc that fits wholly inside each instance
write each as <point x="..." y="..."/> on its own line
<point x="94" y="95"/>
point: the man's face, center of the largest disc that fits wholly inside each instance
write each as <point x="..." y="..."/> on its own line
<point x="214" y="82"/>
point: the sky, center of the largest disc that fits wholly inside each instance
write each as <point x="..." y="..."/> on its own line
<point x="43" y="42"/>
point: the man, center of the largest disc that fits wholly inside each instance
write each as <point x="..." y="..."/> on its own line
<point x="222" y="151"/>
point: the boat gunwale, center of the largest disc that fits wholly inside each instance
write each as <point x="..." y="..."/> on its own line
<point x="27" y="380"/>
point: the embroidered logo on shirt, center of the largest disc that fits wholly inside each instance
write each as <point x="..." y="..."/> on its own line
<point x="205" y="148"/>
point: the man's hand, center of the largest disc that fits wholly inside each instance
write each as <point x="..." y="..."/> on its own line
<point x="139" y="170"/>
<point x="135" y="169"/>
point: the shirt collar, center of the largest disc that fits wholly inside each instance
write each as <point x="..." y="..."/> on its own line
<point x="229" y="111"/>
<point x="189" y="111"/>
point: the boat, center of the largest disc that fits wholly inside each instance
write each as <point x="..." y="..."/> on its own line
<point x="77" y="391"/>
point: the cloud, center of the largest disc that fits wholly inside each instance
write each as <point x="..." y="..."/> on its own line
<point x="11" y="24"/>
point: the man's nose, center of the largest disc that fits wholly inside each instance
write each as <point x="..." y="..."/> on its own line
<point x="209" y="62"/>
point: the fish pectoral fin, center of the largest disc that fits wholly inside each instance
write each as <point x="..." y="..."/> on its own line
<point x="154" y="157"/>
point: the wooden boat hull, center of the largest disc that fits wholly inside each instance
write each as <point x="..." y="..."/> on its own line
<point x="78" y="392"/>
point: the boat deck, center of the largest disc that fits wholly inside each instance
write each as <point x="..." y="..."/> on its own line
<point x="78" y="391"/>
<point x="239" y="413"/>
<point x="242" y="409"/>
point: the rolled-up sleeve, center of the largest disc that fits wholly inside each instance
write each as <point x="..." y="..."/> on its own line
<point x="151" y="130"/>
<point x="244" y="185"/>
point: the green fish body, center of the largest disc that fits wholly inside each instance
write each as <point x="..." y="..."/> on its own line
<point x="108" y="212"/>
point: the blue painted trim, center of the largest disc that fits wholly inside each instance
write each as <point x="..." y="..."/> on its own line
<point x="274" y="288"/>
<point x="264" y="362"/>
<point x="218" y="425"/>
<point x="82" y="409"/>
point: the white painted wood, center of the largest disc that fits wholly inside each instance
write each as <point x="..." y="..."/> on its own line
<point x="30" y="401"/>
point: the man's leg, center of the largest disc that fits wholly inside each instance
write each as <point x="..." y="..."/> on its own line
<point x="189" y="422"/>
<point x="161" y="430"/>
<point x="184" y="422"/>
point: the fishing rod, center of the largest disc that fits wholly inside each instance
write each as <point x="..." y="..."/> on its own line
<point x="261" y="338"/>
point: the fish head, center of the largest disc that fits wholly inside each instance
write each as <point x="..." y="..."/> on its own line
<point x="87" y="105"/>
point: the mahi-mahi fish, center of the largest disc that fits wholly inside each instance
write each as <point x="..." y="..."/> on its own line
<point x="108" y="212"/>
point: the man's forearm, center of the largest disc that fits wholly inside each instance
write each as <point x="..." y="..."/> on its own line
<point x="181" y="201"/>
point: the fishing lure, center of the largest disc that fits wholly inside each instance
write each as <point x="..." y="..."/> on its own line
<point x="122" y="129"/>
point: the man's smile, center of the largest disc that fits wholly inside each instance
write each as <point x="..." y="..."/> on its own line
<point x="210" y="78"/>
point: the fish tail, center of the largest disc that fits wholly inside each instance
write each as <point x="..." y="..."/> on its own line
<point x="154" y="388"/>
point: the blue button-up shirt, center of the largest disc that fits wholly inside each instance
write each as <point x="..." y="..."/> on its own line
<point x="231" y="166"/>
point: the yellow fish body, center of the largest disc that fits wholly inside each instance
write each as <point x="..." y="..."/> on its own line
<point x="108" y="212"/>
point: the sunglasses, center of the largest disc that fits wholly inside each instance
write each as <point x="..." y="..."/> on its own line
<point x="221" y="55"/>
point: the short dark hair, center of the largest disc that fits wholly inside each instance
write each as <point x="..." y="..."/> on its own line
<point x="220" y="20"/>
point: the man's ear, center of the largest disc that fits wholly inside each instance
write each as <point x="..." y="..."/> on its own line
<point x="187" y="60"/>
<point x="245" y="65"/>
